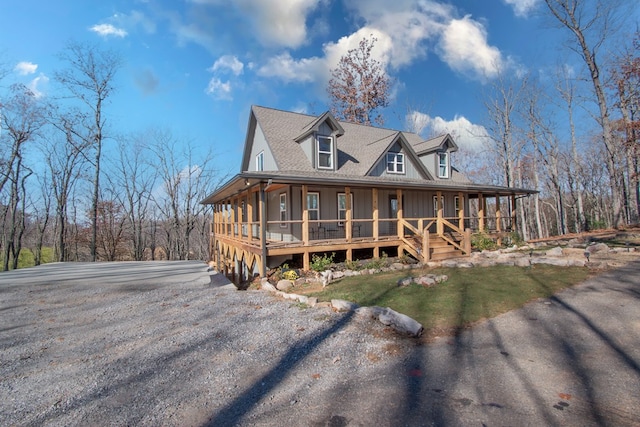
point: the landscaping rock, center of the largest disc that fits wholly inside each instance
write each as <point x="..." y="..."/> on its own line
<point x="312" y="301"/>
<point x="598" y="248"/>
<point x="557" y="251"/>
<point x="266" y="286"/>
<point x="405" y="282"/>
<point x="400" y="322"/>
<point x="284" y="285"/>
<point x="426" y="281"/>
<point x="342" y="305"/>
<point x="522" y="262"/>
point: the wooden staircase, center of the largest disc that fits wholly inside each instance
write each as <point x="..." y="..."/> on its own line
<point x="450" y="244"/>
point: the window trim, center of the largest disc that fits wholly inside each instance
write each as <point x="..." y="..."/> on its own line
<point x="283" y="209"/>
<point x="330" y="152"/>
<point x="397" y="160"/>
<point x="435" y="205"/>
<point x="443" y="155"/>
<point x="341" y="222"/>
<point x="260" y="161"/>
<point x="317" y="210"/>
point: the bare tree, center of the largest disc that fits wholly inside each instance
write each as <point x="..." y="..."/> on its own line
<point x="132" y="182"/>
<point x="186" y="180"/>
<point x="359" y="86"/>
<point x="590" y="23"/>
<point x="90" y="77"/>
<point x="22" y="118"/>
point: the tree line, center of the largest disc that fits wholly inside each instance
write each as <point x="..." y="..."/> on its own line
<point x="63" y="190"/>
<point x="586" y="177"/>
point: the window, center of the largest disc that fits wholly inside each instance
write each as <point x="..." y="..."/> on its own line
<point x="313" y="206"/>
<point x="395" y="162"/>
<point x="283" y="209"/>
<point x="443" y="165"/>
<point x="435" y="205"/>
<point x="342" y="207"/>
<point x="260" y="161"/>
<point x="325" y="152"/>
<point x="456" y="202"/>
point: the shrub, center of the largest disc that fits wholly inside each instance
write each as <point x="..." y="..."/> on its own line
<point x="481" y="241"/>
<point x="320" y="263"/>
<point x="290" y="275"/>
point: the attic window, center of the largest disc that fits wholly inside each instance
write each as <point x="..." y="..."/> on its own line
<point x="443" y="165"/>
<point x="260" y="161"/>
<point x="325" y="152"/>
<point x="395" y="162"/>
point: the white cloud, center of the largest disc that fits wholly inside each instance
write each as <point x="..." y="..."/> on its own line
<point x="35" y="85"/>
<point x="106" y="30"/>
<point x="25" y="68"/>
<point x="228" y="62"/>
<point x="280" y="22"/>
<point x="466" y="134"/>
<point x="465" y="49"/>
<point x="286" y="68"/>
<point x="405" y="31"/>
<point x="522" y="7"/>
<point x="219" y="89"/>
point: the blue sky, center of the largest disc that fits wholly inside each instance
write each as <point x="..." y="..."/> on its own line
<point x="196" y="66"/>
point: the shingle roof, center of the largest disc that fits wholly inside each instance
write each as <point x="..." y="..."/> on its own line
<point x="358" y="148"/>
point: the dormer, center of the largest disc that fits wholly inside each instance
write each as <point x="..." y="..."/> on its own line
<point x="319" y="141"/>
<point x="435" y="155"/>
<point x="399" y="160"/>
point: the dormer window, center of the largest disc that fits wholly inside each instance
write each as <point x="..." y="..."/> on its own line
<point x="260" y="161"/>
<point x="325" y="152"/>
<point x="395" y="163"/>
<point x="443" y="165"/>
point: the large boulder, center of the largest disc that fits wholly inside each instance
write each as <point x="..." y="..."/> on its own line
<point x="400" y="322"/>
<point x="598" y="248"/>
<point x="557" y="251"/>
<point x="284" y="285"/>
<point x="342" y="305"/>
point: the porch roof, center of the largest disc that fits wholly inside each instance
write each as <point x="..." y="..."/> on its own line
<point x="245" y="180"/>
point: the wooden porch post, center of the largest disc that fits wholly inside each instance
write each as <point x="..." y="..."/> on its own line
<point x="250" y="216"/>
<point x="399" y="216"/>
<point x="240" y="219"/>
<point x="513" y="213"/>
<point x="498" y="214"/>
<point x="376" y="223"/>
<point x="263" y="232"/>
<point x="461" y="212"/>
<point x="480" y="212"/>
<point x="305" y="228"/>
<point x="498" y="220"/>
<point x="347" y="223"/>
<point x="439" y="213"/>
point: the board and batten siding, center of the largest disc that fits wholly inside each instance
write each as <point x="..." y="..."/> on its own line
<point x="260" y="145"/>
<point x="410" y="170"/>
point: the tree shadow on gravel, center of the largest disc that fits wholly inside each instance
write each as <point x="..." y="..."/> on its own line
<point x="233" y="413"/>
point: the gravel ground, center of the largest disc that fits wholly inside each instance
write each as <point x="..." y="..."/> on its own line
<point x="182" y="354"/>
<point x="155" y="352"/>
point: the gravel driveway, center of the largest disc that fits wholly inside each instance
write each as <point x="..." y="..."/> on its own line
<point x="191" y="352"/>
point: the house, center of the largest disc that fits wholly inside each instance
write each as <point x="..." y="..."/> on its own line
<point x="316" y="184"/>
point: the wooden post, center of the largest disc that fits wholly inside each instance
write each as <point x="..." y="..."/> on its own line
<point x="461" y="212"/>
<point x="439" y="213"/>
<point x="400" y="225"/>
<point x="375" y="214"/>
<point x="305" y="217"/>
<point x="498" y="215"/>
<point x="480" y="212"/>
<point x="513" y="213"/>
<point x="426" y="256"/>
<point x="240" y="220"/>
<point x="250" y="216"/>
<point x="467" y="241"/>
<point x="348" y="232"/>
<point x="263" y="232"/>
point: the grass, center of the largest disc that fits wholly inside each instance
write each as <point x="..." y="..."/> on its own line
<point x="26" y="259"/>
<point x="468" y="296"/>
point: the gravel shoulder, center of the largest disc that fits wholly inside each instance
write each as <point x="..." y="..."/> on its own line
<point x="198" y="353"/>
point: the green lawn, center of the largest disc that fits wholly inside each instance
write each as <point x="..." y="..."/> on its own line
<point x="470" y="294"/>
<point x="25" y="259"/>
